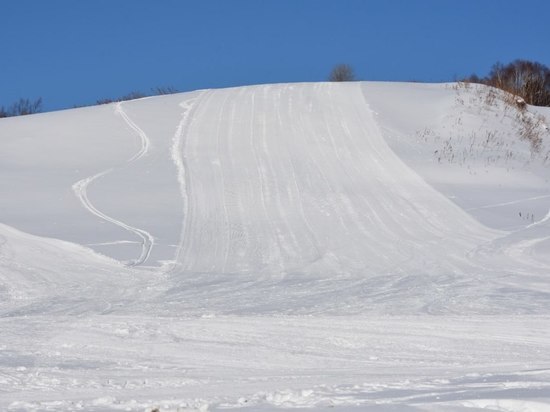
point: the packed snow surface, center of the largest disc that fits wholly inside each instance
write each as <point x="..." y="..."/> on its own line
<point x="353" y="246"/>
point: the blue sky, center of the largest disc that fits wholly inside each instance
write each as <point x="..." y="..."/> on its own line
<point x="74" y="52"/>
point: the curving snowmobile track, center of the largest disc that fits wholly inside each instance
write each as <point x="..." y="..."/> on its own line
<point x="80" y="189"/>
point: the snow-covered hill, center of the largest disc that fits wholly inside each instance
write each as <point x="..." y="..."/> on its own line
<point x="345" y="244"/>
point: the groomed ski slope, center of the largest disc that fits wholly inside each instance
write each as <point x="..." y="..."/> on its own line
<point x="363" y="246"/>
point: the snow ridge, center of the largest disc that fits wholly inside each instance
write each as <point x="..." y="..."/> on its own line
<point x="176" y="153"/>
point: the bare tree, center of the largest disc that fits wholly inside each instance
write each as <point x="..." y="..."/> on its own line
<point x="161" y="90"/>
<point x="22" y="107"/>
<point x="341" y="73"/>
<point x="26" y="106"/>
<point x="530" y="80"/>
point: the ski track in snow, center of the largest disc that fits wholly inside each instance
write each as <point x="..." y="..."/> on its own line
<point x="80" y="189"/>
<point x="178" y="158"/>
<point x="513" y="202"/>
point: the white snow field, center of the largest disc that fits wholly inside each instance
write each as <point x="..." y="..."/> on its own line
<point x="331" y="246"/>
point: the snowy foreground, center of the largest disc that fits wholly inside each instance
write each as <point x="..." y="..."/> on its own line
<point x="349" y="247"/>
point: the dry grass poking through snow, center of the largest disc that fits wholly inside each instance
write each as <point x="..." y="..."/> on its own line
<point x="517" y="122"/>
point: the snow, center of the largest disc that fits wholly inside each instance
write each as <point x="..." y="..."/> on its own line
<point x="353" y="246"/>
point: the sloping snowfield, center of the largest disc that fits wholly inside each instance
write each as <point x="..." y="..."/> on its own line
<point x="352" y="246"/>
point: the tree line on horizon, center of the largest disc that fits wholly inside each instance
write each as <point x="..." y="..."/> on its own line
<point x="22" y="107"/>
<point x="26" y="106"/>
<point x="526" y="79"/>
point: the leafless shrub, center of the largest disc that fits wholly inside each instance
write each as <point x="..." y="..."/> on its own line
<point x="161" y="90"/>
<point x="22" y="107"/>
<point x="490" y="97"/>
<point x="532" y="129"/>
<point x="342" y="73"/>
<point x="520" y="103"/>
<point x="130" y="96"/>
<point x="105" y="101"/>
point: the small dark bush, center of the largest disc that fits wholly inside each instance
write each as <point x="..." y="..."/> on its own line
<point x="342" y="73"/>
